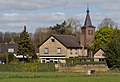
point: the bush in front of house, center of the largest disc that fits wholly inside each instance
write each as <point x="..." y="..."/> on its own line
<point x="46" y="67"/>
<point x="27" y="67"/>
<point x="10" y="57"/>
<point x="82" y="61"/>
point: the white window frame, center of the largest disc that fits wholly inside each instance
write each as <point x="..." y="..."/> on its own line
<point x="58" y="50"/>
<point x="46" y="51"/>
<point x="11" y="50"/>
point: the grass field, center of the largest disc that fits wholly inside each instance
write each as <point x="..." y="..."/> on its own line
<point x="66" y="79"/>
<point x="57" y="77"/>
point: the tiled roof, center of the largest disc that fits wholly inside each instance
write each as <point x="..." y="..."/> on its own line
<point x="68" y="41"/>
<point x="5" y="46"/>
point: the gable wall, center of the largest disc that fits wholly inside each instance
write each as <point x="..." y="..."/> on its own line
<point x="52" y="46"/>
<point x="99" y="54"/>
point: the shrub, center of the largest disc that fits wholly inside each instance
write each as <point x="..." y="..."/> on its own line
<point x="83" y="61"/>
<point x="10" y="57"/>
<point x="27" y="67"/>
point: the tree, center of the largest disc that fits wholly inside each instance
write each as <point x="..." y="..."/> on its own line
<point x="102" y="37"/>
<point x="25" y="47"/>
<point x="69" y="27"/>
<point x="10" y="57"/>
<point x="1" y="37"/>
<point x="40" y="35"/>
<point x="61" y="28"/>
<point x="74" y="25"/>
<point x="112" y="51"/>
<point x="114" y="34"/>
<point x="15" y="36"/>
<point x="109" y="23"/>
<point x="7" y="37"/>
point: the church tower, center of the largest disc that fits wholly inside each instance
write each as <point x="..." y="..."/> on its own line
<point x="87" y="31"/>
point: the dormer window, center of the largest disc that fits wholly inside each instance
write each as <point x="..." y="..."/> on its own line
<point x="53" y="40"/>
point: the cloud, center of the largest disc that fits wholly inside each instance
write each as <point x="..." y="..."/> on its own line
<point x="32" y="16"/>
<point x="16" y="21"/>
<point x="111" y="6"/>
<point x="29" y="4"/>
<point x="47" y="4"/>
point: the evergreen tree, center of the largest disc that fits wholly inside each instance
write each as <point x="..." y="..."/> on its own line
<point x="112" y="51"/>
<point x="25" y="44"/>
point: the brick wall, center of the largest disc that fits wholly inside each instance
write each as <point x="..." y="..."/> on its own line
<point x="83" y="68"/>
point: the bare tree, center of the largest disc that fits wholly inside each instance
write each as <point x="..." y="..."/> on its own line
<point x="74" y="23"/>
<point x="1" y="37"/>
<point x="40" y="35"/>
<point x="109" y="23"/>
<point x="7" y="37"/>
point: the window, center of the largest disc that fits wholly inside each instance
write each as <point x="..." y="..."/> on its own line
<point x="58" y="50"/>
<point x="101" y="59"/>
<point x="46" y="51"/>
<point x="89" y="40"/>
<point x="91" y="32"/>
<point x="88" y="32"/>
<point x="43" y="61"/>
<point x="51" y="61"/>
<point x="55" y="62"/>
<point x="11" y="50"/>
<point x="53" y="40"/>
<point x="71" y="51"/>
<point x="83" y="31"/>
<point x="76" y="51"/>
<point x="47" y="59"/>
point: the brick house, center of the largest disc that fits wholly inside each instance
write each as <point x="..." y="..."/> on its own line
<point x="67" y="46"/>
<point x="57" y="47"/>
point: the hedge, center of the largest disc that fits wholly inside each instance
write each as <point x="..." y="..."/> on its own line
<point x="82" y="61"/>
<point x="27" y="67"/>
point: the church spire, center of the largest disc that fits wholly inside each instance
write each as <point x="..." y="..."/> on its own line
<point x="87" y="9"/>
<point x="88" y="20"/>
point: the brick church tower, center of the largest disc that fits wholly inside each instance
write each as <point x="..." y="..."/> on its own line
<point x="87" y="31"/>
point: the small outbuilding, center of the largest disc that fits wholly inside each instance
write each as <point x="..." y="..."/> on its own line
<point x="99" y="55"/>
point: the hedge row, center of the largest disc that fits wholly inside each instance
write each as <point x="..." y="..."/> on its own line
<point x="27" y="67"/>
<point x="82" y="61"/>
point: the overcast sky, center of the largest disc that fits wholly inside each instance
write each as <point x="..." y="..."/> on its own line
<point x="14" y="14"/>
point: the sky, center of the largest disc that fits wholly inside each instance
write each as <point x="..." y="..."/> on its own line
<point x="14" y="14"/>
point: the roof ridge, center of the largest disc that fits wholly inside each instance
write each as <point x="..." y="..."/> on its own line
<point x="62" y="35"/>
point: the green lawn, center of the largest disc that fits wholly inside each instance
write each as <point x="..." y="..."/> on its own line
<point x="66" y="79"/>
<point x="56" y="77"/>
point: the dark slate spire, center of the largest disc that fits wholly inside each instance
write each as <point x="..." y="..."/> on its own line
<point x="24" y="28"/>
<point x="88" y="20"/>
